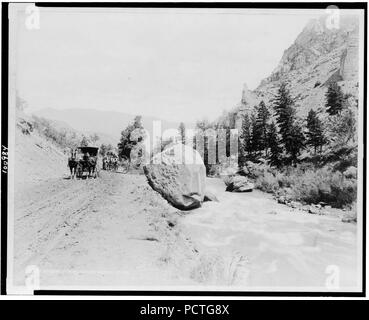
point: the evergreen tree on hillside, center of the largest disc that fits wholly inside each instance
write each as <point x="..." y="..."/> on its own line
<point x="274" y="145"/>
<point x="245" y="147"/>
<point x="334" y="99"/>
<point x="261" y="127"/>
<point x="285" y="112"/>
<point x="315" y="133"/>
<point x="256" y="136"/>
<point x="291" y="132"/>
<point x="342" y="128"/>
<point x="295" y="141"/>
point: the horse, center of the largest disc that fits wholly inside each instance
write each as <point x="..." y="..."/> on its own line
<point x="73" y="163"/>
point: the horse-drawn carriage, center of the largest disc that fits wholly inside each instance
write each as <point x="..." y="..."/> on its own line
<point x="83" y="162"/>
<point x="110" y="161"/>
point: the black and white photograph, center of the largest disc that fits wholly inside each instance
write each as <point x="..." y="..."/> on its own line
<point x="185" y="149"/>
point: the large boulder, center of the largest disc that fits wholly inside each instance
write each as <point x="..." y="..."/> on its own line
<point x="139" y="156"/>
<point x="178" y="174"/>
<point x="238" y="184"/>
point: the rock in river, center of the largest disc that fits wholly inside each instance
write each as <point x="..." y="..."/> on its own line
<point x="210" y="196"/>
<point x="238" y="184"/>
<point x="178" y="174"/>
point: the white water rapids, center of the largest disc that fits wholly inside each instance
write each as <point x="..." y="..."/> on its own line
<point x="285" y="249"/>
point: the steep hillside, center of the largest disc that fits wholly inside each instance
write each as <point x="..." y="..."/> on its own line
<point x="36" y="158"/>
<point x="317" y="57"/>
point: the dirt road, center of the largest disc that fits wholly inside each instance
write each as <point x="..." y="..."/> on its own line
<point x="112" y="231"/>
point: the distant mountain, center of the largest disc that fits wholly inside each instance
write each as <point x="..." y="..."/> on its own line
<point x="317" y="57"/>
<point x="109" y="123"/>
<point x="62" y="126"/>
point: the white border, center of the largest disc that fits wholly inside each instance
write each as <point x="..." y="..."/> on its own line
<point x="11" y="131"/>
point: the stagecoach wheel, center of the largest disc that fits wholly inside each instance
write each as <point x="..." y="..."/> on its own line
<point x="124" y="164"/>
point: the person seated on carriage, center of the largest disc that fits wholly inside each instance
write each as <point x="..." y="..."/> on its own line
<point x="84" y="159"/>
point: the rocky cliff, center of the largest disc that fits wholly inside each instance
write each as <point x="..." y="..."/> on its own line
<point x="318" y="56"/>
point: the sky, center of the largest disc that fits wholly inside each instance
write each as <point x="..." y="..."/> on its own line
<point x="175" y="64"/>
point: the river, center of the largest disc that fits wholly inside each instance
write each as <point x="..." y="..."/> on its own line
<point x="280" y="248"/>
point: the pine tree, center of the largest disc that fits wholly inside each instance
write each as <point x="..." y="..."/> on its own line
<point x="315" y="133"/>
<point x="256" y="136"/>
<point x="283" y="105"/>
<point x="291" y="132"/>
<point x="295" y="141"/>
<point x="261" y="127"/>
<point x="342" y="128"/>
<point x="334" y="99"/>
<point x="246" y="139"/>
<point x="273" y="143"/>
